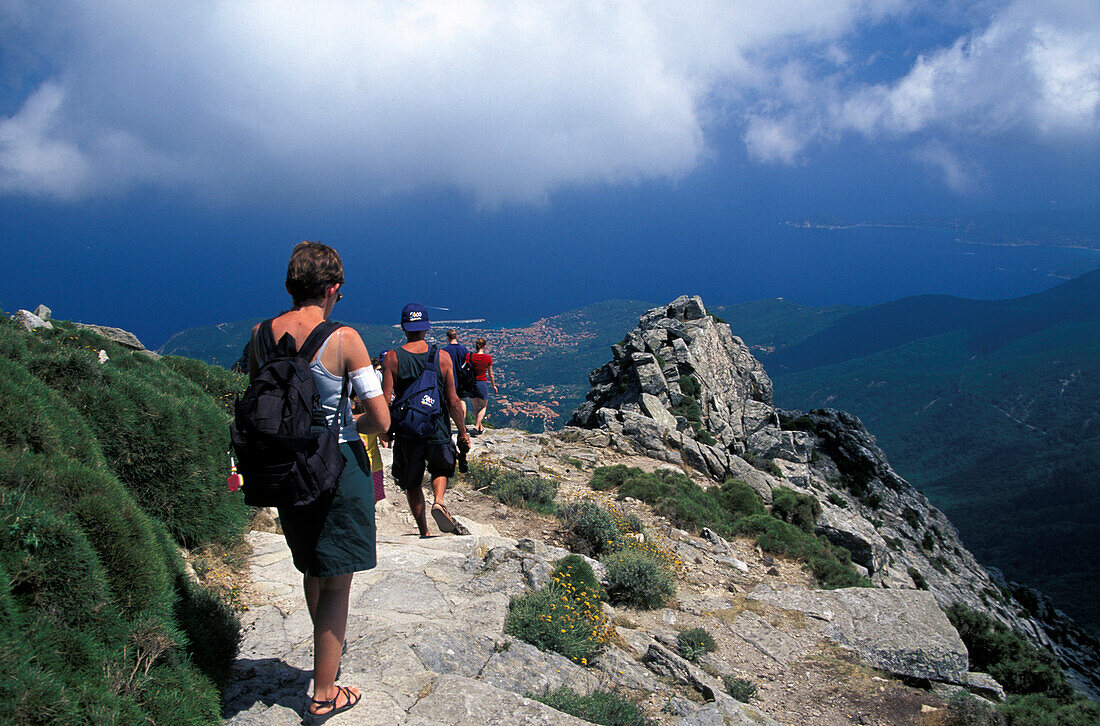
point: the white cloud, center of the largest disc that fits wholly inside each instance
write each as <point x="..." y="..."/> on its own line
<point x="506" y="101"/>
<point x="1034" y="69"/>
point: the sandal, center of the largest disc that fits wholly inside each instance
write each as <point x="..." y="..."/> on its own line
<point x="443" y="518"/>
<point x="352" y="700"/>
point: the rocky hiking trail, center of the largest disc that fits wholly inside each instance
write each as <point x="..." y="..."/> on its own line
<point x="425" y="640"/>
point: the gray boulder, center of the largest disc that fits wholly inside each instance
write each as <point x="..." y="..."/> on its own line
<point x="117" y="335"/>
<point x="903" y="632"/>
<point x="30" y="321"/>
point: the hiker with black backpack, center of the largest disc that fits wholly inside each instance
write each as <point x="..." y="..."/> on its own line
<point x="465" y="383"/>
<point x="421" y="379"/>
<point x="299" y="449"/>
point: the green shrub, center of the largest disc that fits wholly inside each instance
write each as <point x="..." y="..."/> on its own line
<point x="36" y="419"/>
<point x="694" y="642"/>
<point x="565" y="616"/>
<point x="1036" y="709"/>
<point x="611" y="477"/>
<point x="918" y="578"/>
<point x="222" y="385"/>
<point x="831" y="565"/>
<point x="1017" y="665"/>
<point x="633" y="523"/>
<point x="801" y="510"/>
<point x="689" y="409"/>
<point x="480" y="475"/>
<point x="599" y="707"/>
<point x="912" y="517"/>
<point x="837" y="501"/>
<point x="574" y="569"/>
<point x="740" y="689"/>
<point x="167" y="442"/>
<point x="927" y="543"/>
<point x="518" y="490"/>
<point x="72" y="645"/>
<point x="590" y="528"/>
<point x="638" y="579"/>
<point x="682" y="501"/>
<point x="690" y="387"/>
<point x="98" y="621"/>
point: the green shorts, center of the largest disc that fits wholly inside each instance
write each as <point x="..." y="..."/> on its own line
<point x="335" y="535"/>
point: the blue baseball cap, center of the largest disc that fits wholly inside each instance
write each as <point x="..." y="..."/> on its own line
<point x="415" y="317"/>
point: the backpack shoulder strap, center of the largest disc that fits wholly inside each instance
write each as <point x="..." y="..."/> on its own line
<point x="317" y="338"/>
<point x="265" y="341"/>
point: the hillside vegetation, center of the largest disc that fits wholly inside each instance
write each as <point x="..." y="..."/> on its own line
<point x="106" y="471"/>
<point x="989" y="407"/>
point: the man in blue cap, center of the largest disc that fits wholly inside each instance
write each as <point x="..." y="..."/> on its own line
<point x="433" y="451"/>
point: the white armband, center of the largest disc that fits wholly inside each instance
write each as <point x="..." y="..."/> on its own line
<point x="365" y="383"/>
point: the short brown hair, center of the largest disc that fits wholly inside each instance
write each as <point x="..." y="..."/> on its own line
<point x="481" y="343"/>
<point x="451" y="334"/>
<point x="313" y="268"/>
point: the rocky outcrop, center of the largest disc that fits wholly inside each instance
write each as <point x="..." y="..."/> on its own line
<point x="683" y="389"/>
<point x="40" y="318"/>
<point x="123" y="337"/>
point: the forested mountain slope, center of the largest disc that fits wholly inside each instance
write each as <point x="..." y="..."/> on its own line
<point x="989" y="407"/>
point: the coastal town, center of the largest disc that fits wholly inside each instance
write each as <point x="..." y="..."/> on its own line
<point x="523" y="402"/>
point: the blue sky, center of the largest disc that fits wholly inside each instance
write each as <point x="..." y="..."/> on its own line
<point x="158" y="160"/>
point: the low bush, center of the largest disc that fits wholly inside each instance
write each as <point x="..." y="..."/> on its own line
<point x="831" y="565"/>
<point x="519" y="490"/>
<point x="918" y="578"/>
<point x="1036" y="709"/>
<point x="576" y="571"/>
<point x="682" y="501"/>
<point x="689" y="386"/>
<point x="801" y="510"/>
<point x="565" y="616"/>
<point x="513" y="488"/>
<point x="837" y="501"/>
<point x="590" y="528"/>
<point x="599" y="707"/>
<point x="638" y="579"/>
<point x="1019" y="666"/>
<point x="740" y="689"/>
<point x="694" y="642"/>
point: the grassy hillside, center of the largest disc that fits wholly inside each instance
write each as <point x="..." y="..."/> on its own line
<point x="106" y="470"/>
<point x="989" y="407"/>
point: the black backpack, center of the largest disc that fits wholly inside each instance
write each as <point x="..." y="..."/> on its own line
<point x="466" y="380"/>
<point x="287" y="452"/>
<point x="415" y="413"/>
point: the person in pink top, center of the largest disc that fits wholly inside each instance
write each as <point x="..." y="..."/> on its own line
<point x="482" y="363"/>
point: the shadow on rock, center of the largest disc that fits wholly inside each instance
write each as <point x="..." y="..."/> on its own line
<point x="265" y="682"/>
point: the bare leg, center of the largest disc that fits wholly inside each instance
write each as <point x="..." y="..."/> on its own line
<point x="480" y="405"/>
<point x="313" y="588"/>
<point x="439" y="486"/>
<point x="415" y="495"/>
<point x="330" y="623"/>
